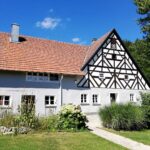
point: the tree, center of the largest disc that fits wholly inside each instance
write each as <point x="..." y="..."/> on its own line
<point x="140" y="50"/>
<point x="143" y="8"/>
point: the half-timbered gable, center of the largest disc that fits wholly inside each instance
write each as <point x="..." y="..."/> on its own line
<point x="112" y="66"/>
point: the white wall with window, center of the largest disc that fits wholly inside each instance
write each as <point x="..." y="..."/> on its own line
<point x="132" y="97"/>
<point x="95" y="99"/>
<point x="50" y="101"/>
<point x="5" y="101"/>
<point x="84" y="99"/>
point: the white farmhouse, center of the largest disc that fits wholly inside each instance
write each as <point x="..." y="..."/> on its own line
<point x="54" y="73"/>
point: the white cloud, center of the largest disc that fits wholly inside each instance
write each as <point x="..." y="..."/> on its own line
<point x="76" y="40"/>
<point x="48" y="23"/>
<point x="51" y="10"/>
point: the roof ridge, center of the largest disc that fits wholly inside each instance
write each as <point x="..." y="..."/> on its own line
<point x="40" y="38"/>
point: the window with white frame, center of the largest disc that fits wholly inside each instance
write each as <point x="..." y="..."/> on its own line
<point x="132" y="97"/>
<point x="84" y="99"/>
<point x="95" y="99"/>
<point x="4" y="100"/>
<point x="44" y="77"/>
<point x="50" y="101"/>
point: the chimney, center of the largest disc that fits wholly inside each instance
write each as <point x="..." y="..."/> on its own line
<point x="14" y="33"/>
<point x="93" y="40"/>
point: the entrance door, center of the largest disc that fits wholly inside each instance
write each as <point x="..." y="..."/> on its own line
<point x="113" y="97"/>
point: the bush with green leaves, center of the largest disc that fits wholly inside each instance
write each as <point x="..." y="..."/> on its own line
<point x="122" y="117"/>
<point x="146" y="108"/>
<point x="27" y="117"/>
<point x="71" y="117"/>
<point x="8" y="120"/>
<point x="48" y="123"/>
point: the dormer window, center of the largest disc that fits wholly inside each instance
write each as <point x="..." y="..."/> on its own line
<point x="113" y="43"/>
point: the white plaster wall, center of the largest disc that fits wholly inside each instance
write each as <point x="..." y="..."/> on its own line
<point x="16" y="94"/>
<point x="70" y="94"/>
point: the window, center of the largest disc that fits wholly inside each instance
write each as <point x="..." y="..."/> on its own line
<point x="114" y="57"/>
<point x="95" y="99"/>
<point x="54" y="77"/>
<point x="4" y="100"/>
<point x="44" y="77"/>
<point x="126" y="77"/>
<point x="101" y="75"/>
<point x="28" y="99"/>
<point x="113" y="97"/>
<point x="131" y="97"/>
<point x="113" y="43"/>
<point x="83" y="98"/>
<point x="50" y="101"/>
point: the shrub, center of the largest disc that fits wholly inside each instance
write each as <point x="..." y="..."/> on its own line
<point x="146" y="108"/>
<point x="71" y="117"/>
<point x="48" y="123"/>
<point x="122" y="117"/>
<point x="27" y="117"/>
<point x="8" y="120"/>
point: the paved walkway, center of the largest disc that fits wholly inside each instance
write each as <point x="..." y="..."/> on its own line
<point x="125" y="142"/>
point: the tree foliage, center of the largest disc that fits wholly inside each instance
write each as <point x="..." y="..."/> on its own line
<point x="140" y="50"/>
<point x="143" y="8"/>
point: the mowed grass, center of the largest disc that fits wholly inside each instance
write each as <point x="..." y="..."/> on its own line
<point x="139" y="136"/>
<point x="57" y="141"/>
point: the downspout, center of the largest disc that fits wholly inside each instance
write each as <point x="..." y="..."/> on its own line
<point x="61" y="90"/>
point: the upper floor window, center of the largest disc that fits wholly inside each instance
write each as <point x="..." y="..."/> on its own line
<point x="95" y="99"/>
<point x="4" y="100"/>
<point x="54" y="77"/>
<point x="113" y="43"/>
<point x="50" y="101"/>
<point x="84" y="99"/>
<point x="44" y="77"/>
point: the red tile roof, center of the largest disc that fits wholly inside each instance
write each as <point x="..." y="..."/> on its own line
<point x="41" y="55"/>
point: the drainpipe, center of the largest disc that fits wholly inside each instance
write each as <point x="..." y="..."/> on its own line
<point x="61" y="90"/>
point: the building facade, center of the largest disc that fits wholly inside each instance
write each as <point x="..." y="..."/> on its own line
<point x="52" y="73"/>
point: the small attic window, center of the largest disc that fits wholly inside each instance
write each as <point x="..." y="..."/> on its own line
<point x="126" y="77"/>
<point x="101" y="75"/>
<point x="114" y="57"/>
<point x="113" y="43"/>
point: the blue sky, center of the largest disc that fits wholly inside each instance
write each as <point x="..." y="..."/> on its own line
<point x="76" y="21"/>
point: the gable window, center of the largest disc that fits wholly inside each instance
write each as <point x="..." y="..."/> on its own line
<point x="132" y="97"/>
<point x="113" y="43"/>
<point x="95" y="99"/>
<point x="126" y="77"/>
<point x="50" y="101"/>
<point x="44" y="77"/>
<point x="101" y="75"/>
<point x="84" y="99"/>
<point x="114" y="57"/>
<point x="4" y="100"/>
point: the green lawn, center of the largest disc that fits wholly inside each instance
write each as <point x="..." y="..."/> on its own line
<point x="139" y="136"/>
<point x="57" y="141"/>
